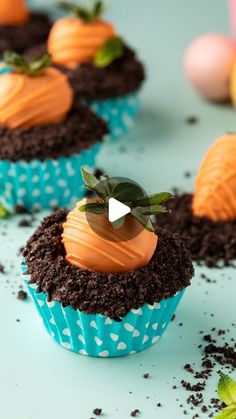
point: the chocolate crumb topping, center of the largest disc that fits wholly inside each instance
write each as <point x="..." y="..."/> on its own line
<point x="78" y="131"/>
<point x="213" y="243"/>
<point x="112" y="294"/>
<point x="21" y="37"/>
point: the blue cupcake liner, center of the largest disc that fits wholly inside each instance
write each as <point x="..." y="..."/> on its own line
<point x="45" y="184"/>
<point x="120" y="113"/>
<point x="97" y="335"/>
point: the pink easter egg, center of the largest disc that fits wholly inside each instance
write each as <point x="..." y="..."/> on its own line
<point x="208" y="63"/>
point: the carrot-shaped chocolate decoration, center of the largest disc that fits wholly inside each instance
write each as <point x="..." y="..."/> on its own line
<point x="215" y="190"/>
<point x="33" y="93"/>
<point x="92" y="242"/>
<point x="13" y="12"/>
<point x="77" y="39"/>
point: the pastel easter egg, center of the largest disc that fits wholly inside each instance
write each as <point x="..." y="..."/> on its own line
<point x="208" y="64"/>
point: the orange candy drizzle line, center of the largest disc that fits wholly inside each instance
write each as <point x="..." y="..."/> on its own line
<point x="103" y="253"/>
<point x="31" y="101"/>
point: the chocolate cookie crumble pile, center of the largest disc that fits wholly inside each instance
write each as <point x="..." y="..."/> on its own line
<point x="212" y="243"/>
<point x="20" y="38"/>
<point x="79" y="130"/>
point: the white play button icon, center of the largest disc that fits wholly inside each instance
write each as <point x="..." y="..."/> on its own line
<point x="116" y="210"/>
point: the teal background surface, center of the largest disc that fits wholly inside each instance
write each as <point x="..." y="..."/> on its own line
<point x="38" y="379"/>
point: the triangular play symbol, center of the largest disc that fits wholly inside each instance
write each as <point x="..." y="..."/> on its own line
<point x="116" y="210"/>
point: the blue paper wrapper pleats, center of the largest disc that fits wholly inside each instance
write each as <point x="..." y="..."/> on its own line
<point x="120" y="113"/>
<point x="97" y="335"/>
<point x="45" y="184"/>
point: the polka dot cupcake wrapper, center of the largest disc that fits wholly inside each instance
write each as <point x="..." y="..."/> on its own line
<point x="100" y="336"/>
<point x="120" y="113"/>
<point x="45" y="184"/>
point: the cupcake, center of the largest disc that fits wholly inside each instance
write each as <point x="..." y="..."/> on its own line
<point x="208" y="216"/>
<point x="103" y="71"/>
<point x="44" y="136"/>
<point x="105" y="287"/>
<point x="19" y="28"/>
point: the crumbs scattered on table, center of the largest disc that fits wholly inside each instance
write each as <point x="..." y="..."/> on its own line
<point x="135" y="413"/>
<point x="191" y="120"/>
<point x="97" y="411"/>
<point x="187" y="174"/>
<point x="214" y="356"/>
<point x="22" y="295"/>
<point x="25" y="223"/>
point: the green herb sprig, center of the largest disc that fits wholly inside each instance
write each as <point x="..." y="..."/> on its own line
<point x="4" y="213"/>
<point x="88" y="14"/>
<point x="20" y="64"/>
<point x="227" y="394"/>
<point x="110" y="51"/>
<point x="127" y="192"/>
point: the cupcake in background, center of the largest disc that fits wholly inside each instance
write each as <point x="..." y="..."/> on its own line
<point x="107" y="287"/>
<point x="44" y="136"/>
<point x="21" y="29"/>
<point x="102" y="69"/>
<point x="208" y="216"/>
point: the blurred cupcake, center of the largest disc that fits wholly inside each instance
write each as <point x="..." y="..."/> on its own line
<point x="103" y="71"/>
<point x="19" y="28"/>
<point x="107" y="288"/>
<point x="44" y="138"/>
<point x="208" y="216"/>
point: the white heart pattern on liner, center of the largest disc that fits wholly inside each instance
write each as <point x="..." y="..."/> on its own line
<point x="114" y="337"/>
<point x="122" y="345"/>
<point x="129" y="327"/>
<point x="98" y="341"/>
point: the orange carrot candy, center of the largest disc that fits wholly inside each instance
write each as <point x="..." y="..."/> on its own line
<point x="76" y="39"/>
<point x="92" y="242"/>
<point x="13" y="12"/>
<point x="33" y="94"/>
<point x="215" y="190"/>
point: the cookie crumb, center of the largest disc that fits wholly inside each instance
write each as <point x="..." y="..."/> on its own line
<point x="22" y="295"/>
<point x="191" y="120"/>
<point x="97" y="411"/>
<point x="134" y="413"/>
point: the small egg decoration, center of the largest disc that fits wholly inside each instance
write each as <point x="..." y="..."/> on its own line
<point x="208" y="65"/>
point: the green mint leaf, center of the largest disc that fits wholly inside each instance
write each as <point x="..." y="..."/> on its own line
<point x="20" y="64"/>
<point x="228" y="413"/>
<point x="85" y="13"/>
<point x="118" y="223"/>
<point x="142" y="219"/>
<point x="95" y="208"/>
<point x="153" y="210"/>
<point x="94" y="184"/>
<point x="110" y="51"/>
<point x="125" y="192"/>
<point x="67" y="6"/>
<point x="39" y="64"/>
<point x="90" y="180"/>
<point x="227" y="390"/>
<point x="98" y="8"/>
<point x="154" y="199"/>
<point x="4" y="213"/>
